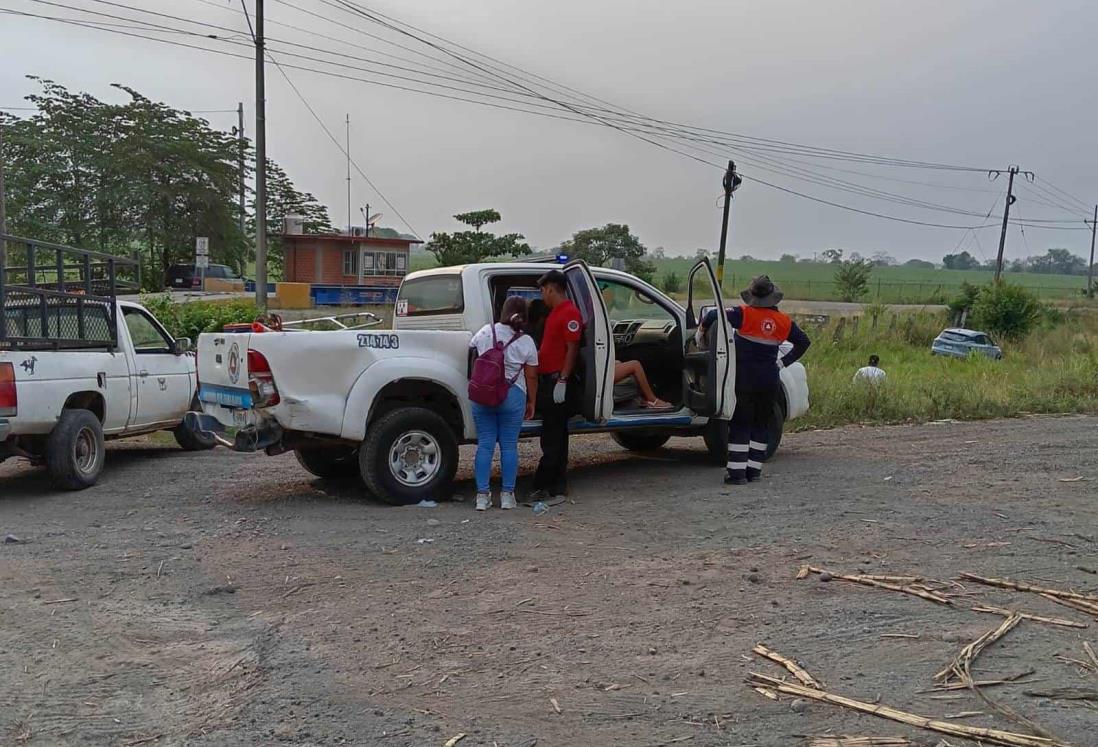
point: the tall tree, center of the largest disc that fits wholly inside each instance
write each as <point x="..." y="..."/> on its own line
<point x="283" y="199"/>
<point x="467" y="247"/>
<point x="597" y="246"/>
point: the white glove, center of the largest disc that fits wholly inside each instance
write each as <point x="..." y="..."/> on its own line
<point x="699" y="337"/>
<point x="559" y="390"/>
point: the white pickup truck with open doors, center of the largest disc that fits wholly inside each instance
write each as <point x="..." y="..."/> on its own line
<point x="391" y="406"/>
<point x="78" y="366"/>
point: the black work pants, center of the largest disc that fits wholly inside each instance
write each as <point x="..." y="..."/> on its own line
<point x="747" y="431"/>
<point x="552" y="474"/>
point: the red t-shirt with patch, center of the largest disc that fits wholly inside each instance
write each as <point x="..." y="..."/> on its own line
<point x="563" y="326"/>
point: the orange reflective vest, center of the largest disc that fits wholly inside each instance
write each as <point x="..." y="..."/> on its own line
<point x="766" y="326"/>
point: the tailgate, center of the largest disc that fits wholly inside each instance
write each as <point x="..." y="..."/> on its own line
<point x="223" y="373"/>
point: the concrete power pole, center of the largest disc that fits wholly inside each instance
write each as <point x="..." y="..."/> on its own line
<point x="260" y="166"/>
<point x="1010" y="200"/>
<point x="731" y="182"/>
<point x="240" y="166"/>
<point x="4" y="204"/>
<point x="349" y="228"/>
<point x="1090" y="267"/>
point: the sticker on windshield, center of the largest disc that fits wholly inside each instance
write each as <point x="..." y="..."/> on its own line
<point x="402" y="307"/>
<point x="380" y="342"/>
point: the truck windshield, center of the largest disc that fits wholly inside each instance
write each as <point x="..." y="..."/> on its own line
<point x="432" y="294"/>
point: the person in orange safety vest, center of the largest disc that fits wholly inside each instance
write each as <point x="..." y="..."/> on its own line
<point x="760" y="329"/>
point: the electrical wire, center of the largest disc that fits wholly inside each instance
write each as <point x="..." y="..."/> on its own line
<point x="582" y="115"/>
<point x="338" y="145"/>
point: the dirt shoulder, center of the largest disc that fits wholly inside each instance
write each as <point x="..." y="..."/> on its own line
<point x="228" y="599"/>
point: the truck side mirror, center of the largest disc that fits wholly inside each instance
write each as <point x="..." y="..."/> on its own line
<point x="181" y="346"/>
<point x="703" y="311"/>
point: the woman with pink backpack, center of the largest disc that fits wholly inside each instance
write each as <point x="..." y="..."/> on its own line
<point x="502" y="388"/>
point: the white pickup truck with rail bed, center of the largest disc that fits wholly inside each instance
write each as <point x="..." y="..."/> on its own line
<point x="78" y="366"/>
<point x="391" y="406"/>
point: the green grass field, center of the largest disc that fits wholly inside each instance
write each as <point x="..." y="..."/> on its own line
<point x="815" y="282"/>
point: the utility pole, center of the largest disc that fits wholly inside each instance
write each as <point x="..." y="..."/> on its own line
<point x="731" y="182"/>
<point x="260" y="166"/>
<point x="1010" y="200"/>
<point x="239" y="159"/>
<point x="349" y="228"/>
<point x="4" y="204"/>
<point x="1090" y="267"/>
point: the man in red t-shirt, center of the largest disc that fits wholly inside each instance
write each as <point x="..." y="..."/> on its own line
<point x="558" y="387"/>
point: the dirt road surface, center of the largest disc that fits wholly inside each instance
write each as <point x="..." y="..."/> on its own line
<point x="222" y="599"/>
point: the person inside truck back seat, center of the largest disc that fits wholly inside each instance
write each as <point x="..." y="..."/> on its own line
<point x="536" y="314"/>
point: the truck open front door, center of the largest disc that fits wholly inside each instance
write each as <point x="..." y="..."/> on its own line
<point x="711" y="385"/>
<point x="597" y="352"/>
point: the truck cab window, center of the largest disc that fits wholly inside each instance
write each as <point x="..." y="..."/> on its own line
<point x="145" y="335"/>
<point x="433" y="294"/>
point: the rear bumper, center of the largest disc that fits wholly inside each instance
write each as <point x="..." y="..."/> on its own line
<point x="257" y="437"/>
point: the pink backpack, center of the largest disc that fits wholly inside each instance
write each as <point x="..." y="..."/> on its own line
<point x="488" y="384"/>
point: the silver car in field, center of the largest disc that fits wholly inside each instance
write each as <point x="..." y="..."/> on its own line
<point x="961" y="343"/>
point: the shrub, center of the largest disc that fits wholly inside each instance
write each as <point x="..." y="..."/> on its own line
<point x="193" y="318"/>
<point x="852" y="279"/>
<point x="672" y="283"/>
<point x="1007" y="310"/>
<point x="965" y="299"/>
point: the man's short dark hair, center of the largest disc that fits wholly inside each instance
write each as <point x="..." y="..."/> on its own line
<point x="554" y="277"/>
<point x="874" y="360"/>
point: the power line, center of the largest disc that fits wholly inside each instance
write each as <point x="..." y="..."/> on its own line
<point x="583" y="116"/>
<point x="335" y="140"/>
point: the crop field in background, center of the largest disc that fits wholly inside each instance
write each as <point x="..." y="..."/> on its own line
<point x="815" y="282"/>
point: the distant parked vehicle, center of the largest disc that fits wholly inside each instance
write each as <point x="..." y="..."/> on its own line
<point x="188" y="277"/>
<point x="961" y="343"/>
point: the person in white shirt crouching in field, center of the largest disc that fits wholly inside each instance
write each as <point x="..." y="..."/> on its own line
<point x="873" y="373"/>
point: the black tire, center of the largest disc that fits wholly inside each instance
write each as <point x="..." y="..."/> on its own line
<point x="75" y="450"/>
<point x="329" y="462"/>
<point x="774" y="428"/>
<point x="640" y="440"/>
<point x="416" y="428"/>
<point x="716" y="441"/>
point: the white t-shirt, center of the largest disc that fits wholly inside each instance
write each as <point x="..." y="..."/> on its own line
<point x="869" y="373"/>
<point x="523" y="352"/>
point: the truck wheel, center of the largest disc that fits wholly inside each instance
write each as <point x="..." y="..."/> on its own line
<point x="640" y="440"/>
<point x="75" y="450"/>
<point x="716" y="441"/>
<point x="409" y="455"/>
<point x="329" y="462"/>
<point x="774" y="428"/>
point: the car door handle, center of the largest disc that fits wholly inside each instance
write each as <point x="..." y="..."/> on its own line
<point x="143" y="374"/>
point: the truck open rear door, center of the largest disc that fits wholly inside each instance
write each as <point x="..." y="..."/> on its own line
<point x="597" y="352"/>
<point x="713" y="390"/>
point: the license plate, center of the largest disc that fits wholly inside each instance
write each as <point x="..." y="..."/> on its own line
<point x="240" y="418"/>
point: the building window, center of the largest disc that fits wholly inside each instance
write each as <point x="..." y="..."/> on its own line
<point x="350" y="261"/>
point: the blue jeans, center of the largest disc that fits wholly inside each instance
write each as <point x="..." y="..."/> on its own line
<point x="500" y="424"/>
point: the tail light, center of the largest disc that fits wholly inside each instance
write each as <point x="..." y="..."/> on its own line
<point x="9" y="396"/>
<point x="261" y="381"/>
<point x="196" y="281"/>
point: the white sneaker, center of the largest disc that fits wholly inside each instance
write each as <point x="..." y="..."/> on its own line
<point x="484" y="501"/>
<point x="507" y="501"/>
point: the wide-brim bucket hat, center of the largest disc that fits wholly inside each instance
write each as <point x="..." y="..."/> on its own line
<point x="762" y="292"/>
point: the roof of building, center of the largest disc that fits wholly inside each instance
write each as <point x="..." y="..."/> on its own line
<point x="338" y="237"/>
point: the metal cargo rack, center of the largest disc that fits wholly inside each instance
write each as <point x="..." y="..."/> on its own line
<point x="56" y="297"/>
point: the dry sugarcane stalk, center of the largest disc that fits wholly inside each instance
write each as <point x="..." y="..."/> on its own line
<point x="845" y="741"/>
<point x="979" y="683"/>
<point x="994" y="736"/>
<point x="1076" y="604"/>
<point x="1091" y="654"/>
<point x="867" y="581"/>
<point x="964" y="658"/>
<point x="1084" y="665"/>
<point x="789" y="664"/>
<point x="1064" y="693"/>
<point x="1019" y="586"/>
<point x="1027" y="616"/>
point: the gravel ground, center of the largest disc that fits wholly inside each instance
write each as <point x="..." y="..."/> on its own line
<point x="221" y="599"/>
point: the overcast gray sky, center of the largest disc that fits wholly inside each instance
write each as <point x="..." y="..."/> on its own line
<point x="982" y="83"/>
